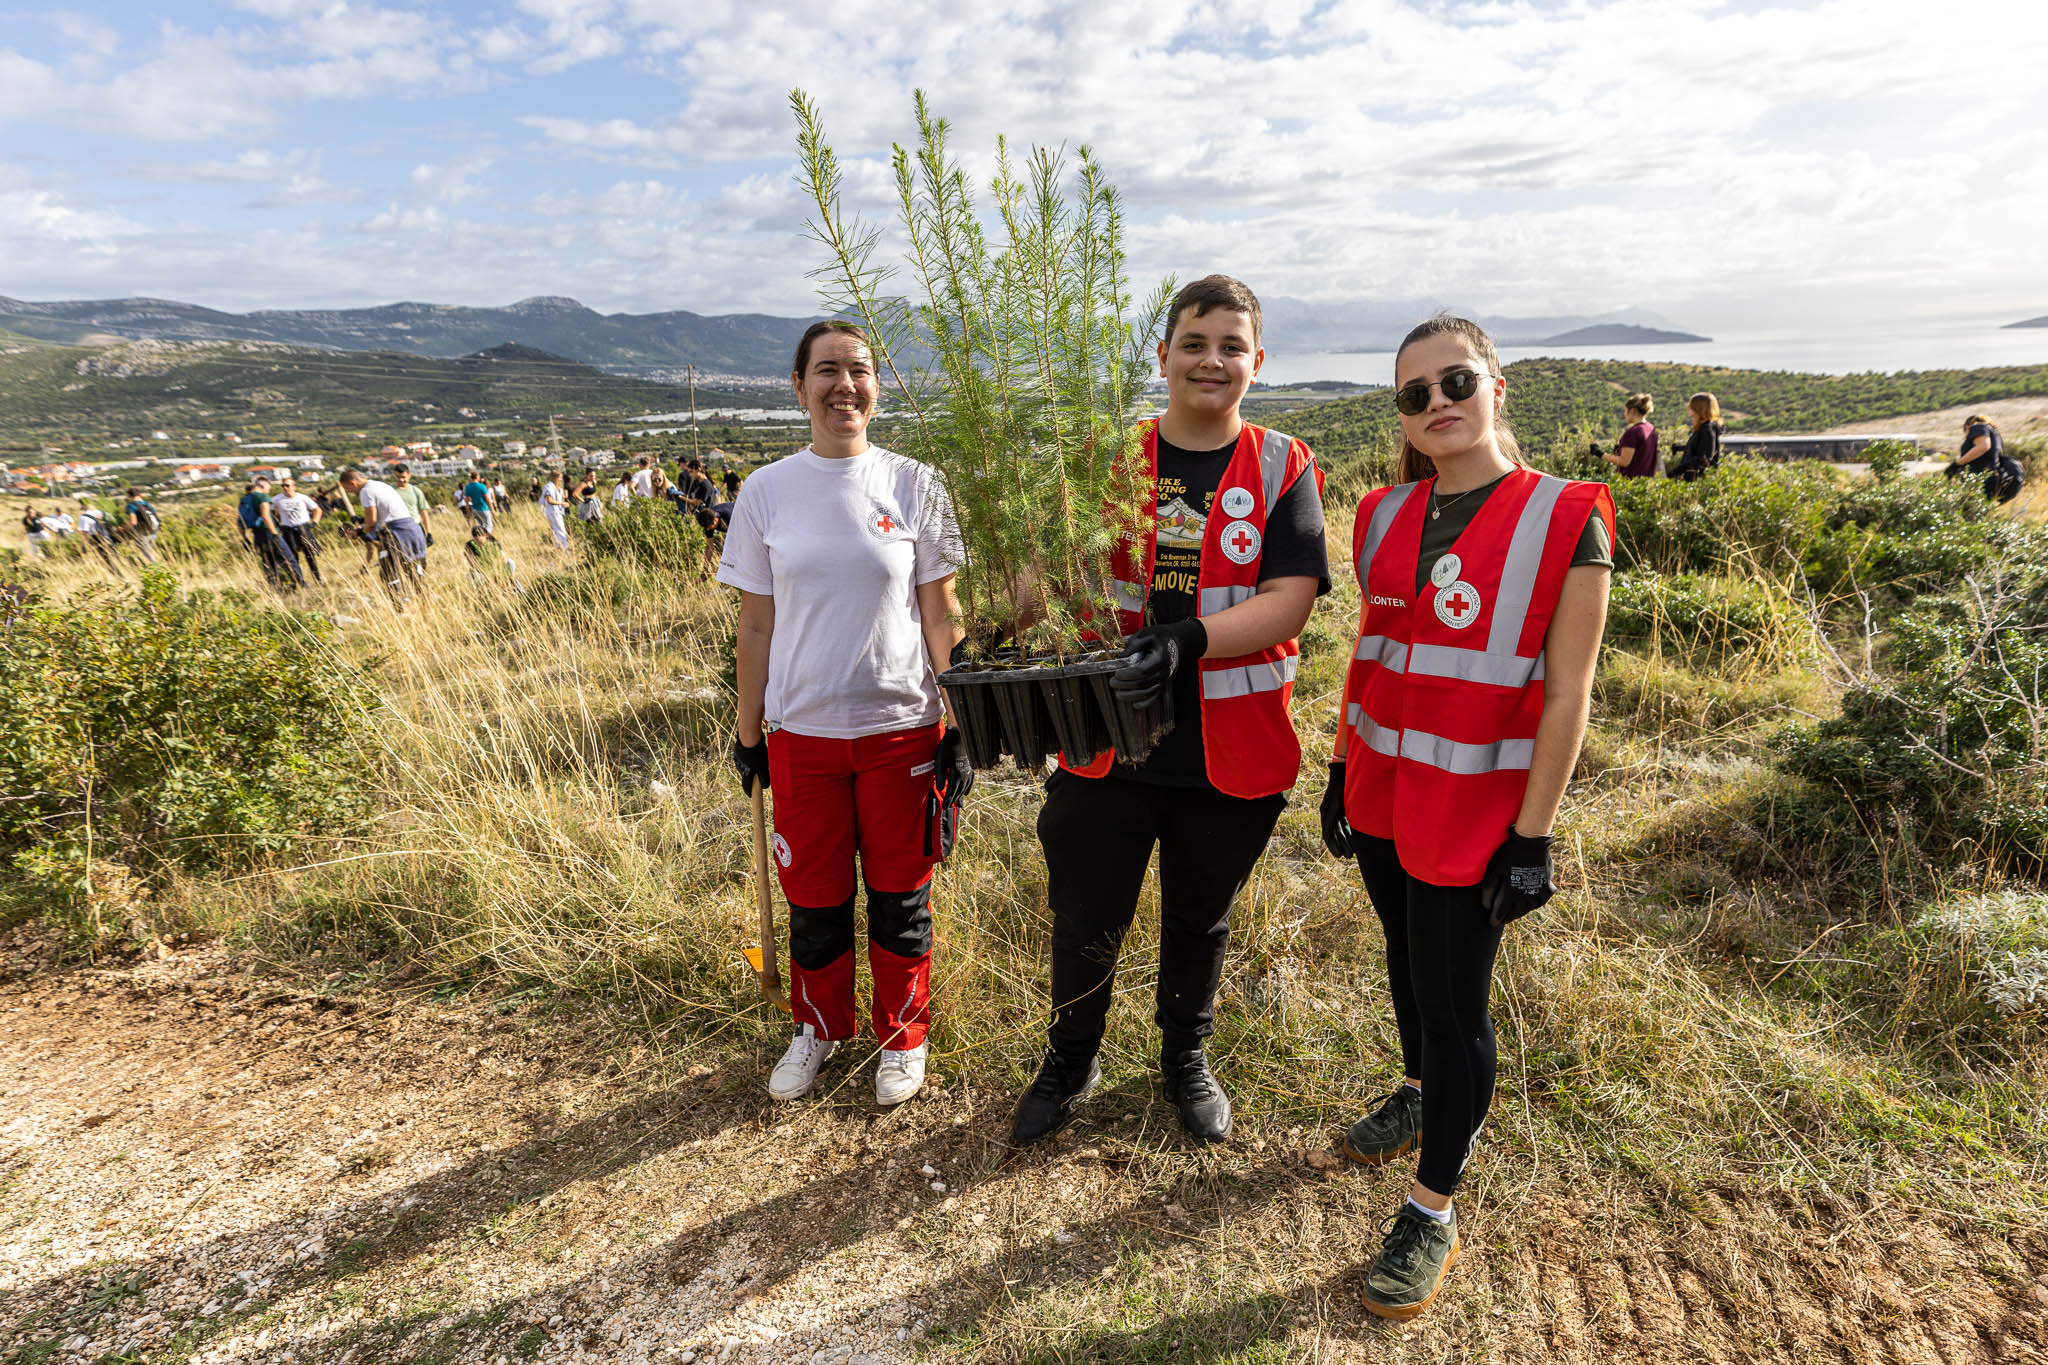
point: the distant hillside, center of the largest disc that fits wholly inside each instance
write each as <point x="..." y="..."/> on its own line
<point x="2030" y="322"/>
<point x="737" y="343"/>
<point x="140" y="385"/>
<point x="1618" y="334"/>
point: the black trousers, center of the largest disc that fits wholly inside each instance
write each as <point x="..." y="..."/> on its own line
<point x="1440" y="953"/>
<point x="1098" y="835"/>
<point x="299" y="544"/>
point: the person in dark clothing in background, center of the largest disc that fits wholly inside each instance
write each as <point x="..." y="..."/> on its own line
<point x="1703" y="446"/>
<point x="1983" y="456"/>
<point x="1211" y="592"/>
<point x="1635" y="455"/>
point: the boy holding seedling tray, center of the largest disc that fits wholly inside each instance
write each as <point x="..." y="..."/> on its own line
<point x="1211" y="587"/>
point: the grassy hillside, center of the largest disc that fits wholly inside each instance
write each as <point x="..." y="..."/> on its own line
<point x="1554" y="402"/>
<point x="187" y="386"/>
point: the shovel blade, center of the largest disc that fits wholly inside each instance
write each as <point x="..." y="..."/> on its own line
<point x="772" y="990"/>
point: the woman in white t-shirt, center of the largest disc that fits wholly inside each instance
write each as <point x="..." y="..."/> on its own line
<point x="553" y="502"/>
<point x="844" y="555"/>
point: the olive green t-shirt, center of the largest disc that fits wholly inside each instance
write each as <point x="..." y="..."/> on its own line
<point x="1456" y="511"/>
<point x="414" y="499"/>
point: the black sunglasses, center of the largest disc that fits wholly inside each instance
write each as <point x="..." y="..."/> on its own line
<point x="1458" y="385"/>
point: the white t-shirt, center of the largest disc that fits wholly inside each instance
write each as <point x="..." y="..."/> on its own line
<point x="621" y="494"/>
<point x="551" y="495"/>
<point x="293" y="509"/>
<point x="643" y="483"/>
<point x="382" y="496"/>
<point x="842" y="545"/>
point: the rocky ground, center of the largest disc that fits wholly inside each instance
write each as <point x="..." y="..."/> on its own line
<point x="198" y="1162"/>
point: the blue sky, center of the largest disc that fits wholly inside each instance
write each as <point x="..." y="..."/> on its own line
<point x="1732" y="166"/>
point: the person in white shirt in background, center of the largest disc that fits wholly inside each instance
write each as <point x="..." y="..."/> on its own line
<point x="295" y="514"/>
<point x="388" y="524"/>
<point x="622" y="491"/>
<point x="844" y="555"/>
<point x="643" y="479"/>
<point x="553" y="505"/>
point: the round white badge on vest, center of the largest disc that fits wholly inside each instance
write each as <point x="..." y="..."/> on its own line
<point x="1446" y="571"/>
<point x="1458" y="605"/>
<point x="782" y="850"/>
<point x="1241" y="542"/>
<point x="1236" y="502"/>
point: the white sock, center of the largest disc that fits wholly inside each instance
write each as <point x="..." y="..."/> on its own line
<point x="1444" y="1217"/>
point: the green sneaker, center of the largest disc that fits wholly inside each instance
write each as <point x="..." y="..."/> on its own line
<point x="1388" y="1131"/>
<point x="1411" y="1266"/>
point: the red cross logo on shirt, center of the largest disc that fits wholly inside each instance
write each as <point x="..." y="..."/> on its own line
<point x="885" y="523"/>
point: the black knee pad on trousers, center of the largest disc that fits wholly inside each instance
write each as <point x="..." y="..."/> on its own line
<point x="901" y="921"/>
<point x="819" y="938"/>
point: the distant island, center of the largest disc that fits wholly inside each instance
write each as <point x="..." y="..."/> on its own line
<point x="2030" y="322"/>
<point x="1616" y="334"/>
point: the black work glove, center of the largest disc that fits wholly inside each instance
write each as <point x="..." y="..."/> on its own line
<point x="1336" y="829"/>
<point x="1153" y="655"/>
<point x="953" y="778"/>
<point x="752" y="762"/>
<point x="1518" y="877"/>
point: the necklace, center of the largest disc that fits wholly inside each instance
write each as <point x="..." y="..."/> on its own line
<point x="1436" y="509"/>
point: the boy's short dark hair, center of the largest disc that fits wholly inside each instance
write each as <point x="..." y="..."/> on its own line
<point x="401" y="469"/>
<point x="1215" y="291"/>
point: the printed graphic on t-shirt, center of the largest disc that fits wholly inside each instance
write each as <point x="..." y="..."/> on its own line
<point x="886" y="522"/>
<point x="1178" y="558"/>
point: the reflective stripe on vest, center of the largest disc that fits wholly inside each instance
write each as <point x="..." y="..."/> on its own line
<point x="1419" y="746"/>
<point x="1273" y="447"/>
<point x="1221" y="683"/>
<point x="1382" y="518"/>
<point x="1525" y="558"/>
<point x="1128" y="596"/>
<point x="1214" y="600"/>
<point x="1446" y="661"/>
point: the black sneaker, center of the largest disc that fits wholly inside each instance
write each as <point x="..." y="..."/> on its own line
<point x="1388" y="1131"/>
<point x="1409" y="1272"/>
<point x="1045" y="1108"/>
<point x="1204" y="1108"/>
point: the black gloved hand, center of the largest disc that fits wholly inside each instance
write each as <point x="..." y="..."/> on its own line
<point x="953" y="778"/>
<point x="752" y="762"/>
<point x="1153" y="655"/>
<point x="1519" y="877"/>
<point x="1336" y="829"/>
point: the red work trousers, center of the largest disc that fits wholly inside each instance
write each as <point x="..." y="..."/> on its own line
<point x="835" y="798"/>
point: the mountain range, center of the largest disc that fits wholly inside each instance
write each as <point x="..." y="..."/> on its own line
<point x="660" y="345"/>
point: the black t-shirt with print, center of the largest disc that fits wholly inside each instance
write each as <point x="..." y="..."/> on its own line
<point x="1293" y="548"/>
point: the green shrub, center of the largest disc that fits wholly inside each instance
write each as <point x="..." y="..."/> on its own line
<point x="1950" y="744"/>
<point x="1888" y="458"/>
<point x="646" y="534"/>
<point x="154" y="729"/>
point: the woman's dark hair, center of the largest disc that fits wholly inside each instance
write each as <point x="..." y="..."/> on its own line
<point x="818" y="329"/>
<point x="1416" y="466"/>
<point x="1640" y="402"/>
<point x="1215" y="291"/>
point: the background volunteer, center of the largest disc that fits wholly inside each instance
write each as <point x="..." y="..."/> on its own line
<point x="1231" y="503"/>
<point x="1703" y="444"/>
<point x="295" y="514"/>
<point x="1635" y="454"/>
<point x="844" y="555"/>
<point x="1485" y="589"/>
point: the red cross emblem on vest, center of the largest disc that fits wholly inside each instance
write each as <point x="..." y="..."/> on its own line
<point x="1241" y="542"/>
<point x="1458" y="605"/>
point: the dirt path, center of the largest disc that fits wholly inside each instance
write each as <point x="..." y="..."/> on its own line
<point x="200" y="1164"/>
<point x="1942" y="429"/>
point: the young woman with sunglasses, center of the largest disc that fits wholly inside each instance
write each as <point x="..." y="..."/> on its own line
<point x="1485" y="588"/>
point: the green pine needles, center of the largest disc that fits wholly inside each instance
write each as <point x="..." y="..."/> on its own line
<point x="1019" y="364"/>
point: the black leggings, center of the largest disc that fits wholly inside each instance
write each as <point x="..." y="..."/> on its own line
<point x="1098" y="835"/>
<point x="1440" y="952"/>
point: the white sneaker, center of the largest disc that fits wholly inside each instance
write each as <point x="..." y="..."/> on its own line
<point x="794" y="1074"/>
<point x="899" y="1074"/>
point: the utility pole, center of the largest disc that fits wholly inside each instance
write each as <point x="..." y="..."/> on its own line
<point x="695" y="453"/>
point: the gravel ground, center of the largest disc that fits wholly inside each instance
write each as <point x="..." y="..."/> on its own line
<point x="202" y="1164"/>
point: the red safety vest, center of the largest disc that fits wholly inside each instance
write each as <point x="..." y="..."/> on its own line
<point x="1444" y="693"/>
<point x="1248" y="742"/>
